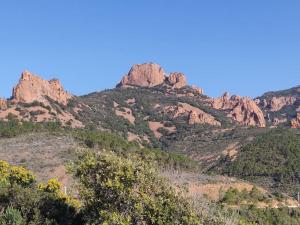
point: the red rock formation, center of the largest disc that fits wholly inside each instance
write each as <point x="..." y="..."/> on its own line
<point x="177" y="80"/>
<point x="144" y="75"/>
<point x="295" y="123"/>
<point x="33" y="88"/>
<point x="277" y="103"/>
<point x="202" y="118"/>
<point x="225" y="102"/>
<point x="199" y="91"/>
<point x="150" y="75"/>
<point x="3" y="104"/>
<point x="241" y="109"/>
<point x="194" y="114"/>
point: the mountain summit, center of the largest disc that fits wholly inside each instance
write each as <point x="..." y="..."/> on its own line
<point x="151" y="75"/>
<point x="33" y="88"/>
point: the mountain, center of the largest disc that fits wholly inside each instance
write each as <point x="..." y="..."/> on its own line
<point x="233" y="151"/>
<point x="157" y="109"/>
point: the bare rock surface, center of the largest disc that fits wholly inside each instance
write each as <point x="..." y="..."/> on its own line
<point x="277" y="103"/>
<point x="177" y="80"/>
<point x="295" y="123"/>
<point x="194" y="114"/>
<point x="144" y="75"/>
<point x="151" y="75"/>
<point x="155" y="126"/>
<point x="243" y="110"/>
<point x="33" y="88"/>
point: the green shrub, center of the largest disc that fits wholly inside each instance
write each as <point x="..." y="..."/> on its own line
<point x="127" y="190"/>
<point x="11" y="217"/>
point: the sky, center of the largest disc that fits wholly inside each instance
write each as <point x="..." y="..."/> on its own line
<point x="244" y="47"/>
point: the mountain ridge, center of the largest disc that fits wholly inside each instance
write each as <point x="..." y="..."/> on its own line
<point x="243" y="110"/>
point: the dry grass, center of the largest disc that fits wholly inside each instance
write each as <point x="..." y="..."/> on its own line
<point x="45" y="154"/>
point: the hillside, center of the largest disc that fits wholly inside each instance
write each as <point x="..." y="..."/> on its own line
<point x="271" y="160"/>
<point x="224" y="153"/>
<point x="47" y="149"/>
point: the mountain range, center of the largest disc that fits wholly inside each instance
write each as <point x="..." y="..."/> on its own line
<point x="226" y="144"/>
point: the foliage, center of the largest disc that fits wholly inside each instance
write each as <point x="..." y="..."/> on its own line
<point x="11" y="216"/>
<point x="15" y="175"/>
<point x="26" y="202"/>
<point x="12" y="128"/>
<point x="270" y="216"/>
<point x="127" y="190"/>
<point x="273" y="157"/>
<point x="235" y="197"/>
<point x="103" y="140"/>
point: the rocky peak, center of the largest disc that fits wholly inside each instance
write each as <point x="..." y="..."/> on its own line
<point x="244" y="110"/>
<point x="177" y="80"/>
<point x="144" y="75"/>
<point x="33" y="88"/>
<point x="150" y="75"/>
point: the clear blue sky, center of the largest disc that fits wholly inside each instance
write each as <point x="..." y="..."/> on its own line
<point x="245" y="47"/>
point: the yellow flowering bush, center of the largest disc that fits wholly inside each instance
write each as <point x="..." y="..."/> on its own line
<point x="15" y="174"/>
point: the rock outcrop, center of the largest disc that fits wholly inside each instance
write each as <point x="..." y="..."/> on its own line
<point x="295" y="123"/>
<point x="177" y="80"/>
<point x="144" y="75"/>
<point x="3" y="104"/>
<point x="33" y="88"/>
<point x="200" y="117"/>
<point x="150" y="75"/>
<point x="194" y="114"/>
<point x="277" y="103"/>
<point x="224" y="102"/>
<point x="198" y="91"/>
<point x="243" y="110"/>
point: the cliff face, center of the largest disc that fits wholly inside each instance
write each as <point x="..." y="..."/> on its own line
<point x="241" y="109"/>
<point x="33" y="88"/>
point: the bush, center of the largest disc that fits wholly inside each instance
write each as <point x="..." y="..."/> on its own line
<point x="11" y="217"/>
<point x="26" y="202"/>
<point x="118" y="190"/>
